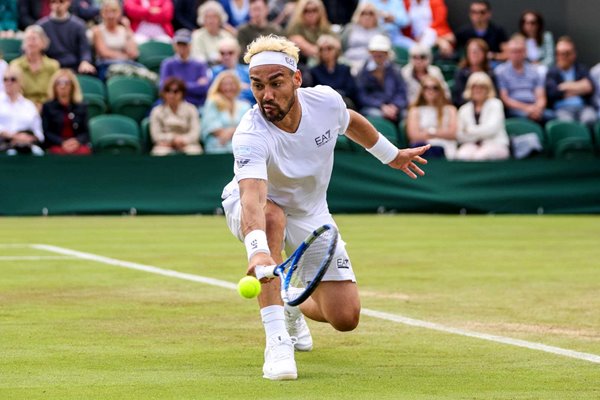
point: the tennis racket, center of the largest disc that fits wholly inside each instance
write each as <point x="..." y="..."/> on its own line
<point x="302" y="272"/>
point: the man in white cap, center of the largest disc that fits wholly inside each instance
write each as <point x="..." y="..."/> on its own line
<point x="283" y="151"/>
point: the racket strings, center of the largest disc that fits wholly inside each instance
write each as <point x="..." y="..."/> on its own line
<point x="310" y="262"/>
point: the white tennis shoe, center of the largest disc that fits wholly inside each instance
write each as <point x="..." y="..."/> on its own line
<point x="279" y="359"/>
<point x="297" y="328"/>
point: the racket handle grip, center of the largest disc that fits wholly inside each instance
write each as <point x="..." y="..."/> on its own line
<point x="264" y="271"/>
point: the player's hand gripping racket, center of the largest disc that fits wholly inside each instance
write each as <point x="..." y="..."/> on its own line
<point x="302" y="272"/>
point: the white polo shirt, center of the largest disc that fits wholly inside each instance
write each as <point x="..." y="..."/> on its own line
<point x="297" y="166"/>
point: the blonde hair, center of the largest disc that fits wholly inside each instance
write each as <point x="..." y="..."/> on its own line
<point x="215" y="95"/>
<point x="364" y="7"/>
<point x="213" y="6"/>
<point x="296" y="19"/>
<point x="38" y="30"/>
<point x="440" y="102"/>
<point x="480" y="79"/>
<point x="76" y="95"/>
<point x="272" y="43"/>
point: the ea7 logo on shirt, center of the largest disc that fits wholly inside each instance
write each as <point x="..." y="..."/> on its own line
<point x="323" y="139"/>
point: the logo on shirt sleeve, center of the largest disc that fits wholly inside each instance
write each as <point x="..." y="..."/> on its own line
<point x="242" y="151"/>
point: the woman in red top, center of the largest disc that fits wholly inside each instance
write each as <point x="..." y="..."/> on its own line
<point x="150" y="19"/>
<point x="429" y="24"/>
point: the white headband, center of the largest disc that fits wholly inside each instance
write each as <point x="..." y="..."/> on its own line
<point x="273" y="58"/>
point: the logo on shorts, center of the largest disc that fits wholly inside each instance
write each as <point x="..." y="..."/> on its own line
<point x="323" y="139"/>
<point x="343" y="263"/>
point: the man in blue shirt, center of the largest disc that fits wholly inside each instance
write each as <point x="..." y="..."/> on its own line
<point x="195" y="74"/>
<point x="569" y="86"/>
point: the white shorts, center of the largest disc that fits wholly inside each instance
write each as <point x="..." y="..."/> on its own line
<point x="296" y="230"/>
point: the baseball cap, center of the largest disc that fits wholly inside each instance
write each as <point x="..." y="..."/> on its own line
<point x="380" y="43"/>
<point x="182" y="36"/>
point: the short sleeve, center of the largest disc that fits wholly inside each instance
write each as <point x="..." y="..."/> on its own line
<point x="250" y="153"/>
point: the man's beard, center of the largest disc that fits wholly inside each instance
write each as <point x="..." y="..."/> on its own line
<point x="280" y="113"/>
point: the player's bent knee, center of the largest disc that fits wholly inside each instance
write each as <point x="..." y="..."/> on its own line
<point x="346" y="321"/>
<point x="274" y="217"/>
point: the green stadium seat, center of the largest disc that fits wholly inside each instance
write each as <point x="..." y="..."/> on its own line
<point x="115" y="134"/>
<point x="402" y="55"/>
<point x="10" y="48"/>
<point x="521" y="126"/>
<point x="91" y="85"/>
<point x="385" y="127"/>
<point x="146" y="139"/>
<point x="96" y="105"/>
<point x="569" y="139"/>
<point x="130" y="96"/>
<point x="596" y="137"/>
<point x="153" y="53"/>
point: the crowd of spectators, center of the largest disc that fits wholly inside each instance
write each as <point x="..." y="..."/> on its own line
<point x="397" y="60"/>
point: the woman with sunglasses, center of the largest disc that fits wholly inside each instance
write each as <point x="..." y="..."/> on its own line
<point x="229" y="50"/>
<point x="419" y="65"/>
<point x="65" y="117"/>
<point x="540" y="42"/>
<point x="175" y="124"/>
<point x="432" y="120"/>
<point x="357" y="34"/>
<point x="308" y="22"/>
<point x="20" y="122"/>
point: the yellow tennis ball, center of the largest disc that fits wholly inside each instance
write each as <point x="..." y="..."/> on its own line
<point x="249" y="287"/>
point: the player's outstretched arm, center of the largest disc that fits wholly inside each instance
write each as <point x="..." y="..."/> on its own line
<point x="361" y="131"/>
<point x="253" y="198"/>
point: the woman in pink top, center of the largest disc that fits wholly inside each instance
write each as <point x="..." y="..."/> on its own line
<point x="150" y="19"/>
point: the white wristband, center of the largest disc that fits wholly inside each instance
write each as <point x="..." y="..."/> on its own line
<point x="256" y="242"/>
<point x="384" y="150"/>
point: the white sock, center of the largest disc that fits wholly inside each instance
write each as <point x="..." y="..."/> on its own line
<point x="273" y="319"/>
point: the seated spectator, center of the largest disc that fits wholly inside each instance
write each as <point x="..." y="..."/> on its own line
<point x="3" y="66"/>
<point x="569" y="86"/>
<point x="112" y="41"/>
<point x="9" y="19"/>
<point x="419" y="65"/>
<point x="381" y="89"/>
<point x="476" y="60"/>
<point x="480" y="15"/>
<point x="205" y="41"/>
<point x="87" y="10"/>
<point x="64" y="116"/>
<point x="392" y="18"/>
<point x="68" y="41"/>
<point x="540" y="43"/>
<point x="36" y="68"/>
<point x="20" y="122"/>
<point x="521" y="86"/>
<point x="195" y="74"/>
<point x="237" y="12"/>
<point x="331" y="73"/>
<point x="308" y="22"/>
<point x="175" y="124"/>
<point x="30" y="11"/>
<point x="339" y="12"/>
<point x="357" y="34"/>
<point x="429" y="25"/>
<point x="595" y="76"/>
<point x="481" y="133"/>
<point x="150" y="19"/>
<point x="432" y="120"/>
<point x="258" y="25"/>
<point x="229" y="49"/>
<point x="222" y="113"/>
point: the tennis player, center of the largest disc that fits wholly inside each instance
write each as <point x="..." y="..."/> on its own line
<point x="283" y="151"/>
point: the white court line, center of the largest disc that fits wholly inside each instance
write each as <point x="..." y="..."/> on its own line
<point x="34" y="258"/>
<point x="14" y="245"/>
<point x="371" y="313"/>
